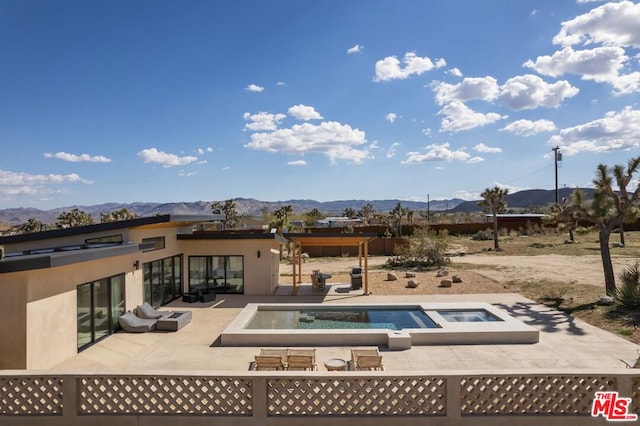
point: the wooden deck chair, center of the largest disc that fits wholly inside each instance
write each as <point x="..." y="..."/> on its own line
<point x="300" y="362"/>
<point x="630" y="363"/>
<point x="268" y="362"/>
<point x="301" y="359"/>
<point x="366" y="359"/>
<point x="369" y="362"/>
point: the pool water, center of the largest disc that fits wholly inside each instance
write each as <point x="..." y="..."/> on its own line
<point x="321" y="319"/>
<point x="476" y="315"/>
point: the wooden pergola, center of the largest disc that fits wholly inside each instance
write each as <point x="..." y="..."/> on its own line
<point x="299" y="241"/>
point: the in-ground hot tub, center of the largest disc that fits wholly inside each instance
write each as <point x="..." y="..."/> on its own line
<point x="397" y="325"/>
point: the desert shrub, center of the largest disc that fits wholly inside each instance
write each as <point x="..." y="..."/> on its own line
<point x="422" y="249"/>
<point x="482" y="236"/>
<point x="581" y="230"/>
<point x="627" y="294"/>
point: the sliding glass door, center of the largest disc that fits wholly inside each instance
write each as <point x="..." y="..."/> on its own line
<point x="220" y="274"/>
<point x="162" y="280"/>
<point x="99" y="305"/>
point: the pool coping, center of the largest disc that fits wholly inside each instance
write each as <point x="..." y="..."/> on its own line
<point x="507" y="331"/>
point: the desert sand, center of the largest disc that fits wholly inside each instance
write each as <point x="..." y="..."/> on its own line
<point x="479" y="273"/>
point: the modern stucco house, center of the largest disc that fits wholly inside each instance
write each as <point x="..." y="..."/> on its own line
<point x="63" y="290"/>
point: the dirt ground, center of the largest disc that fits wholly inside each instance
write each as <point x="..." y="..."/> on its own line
<point x="479" y="273"/>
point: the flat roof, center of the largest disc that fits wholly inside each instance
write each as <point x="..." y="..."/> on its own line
<point x="166" y="220"/>
<point x="330" y="239"/>
<point x="233" y="236"/>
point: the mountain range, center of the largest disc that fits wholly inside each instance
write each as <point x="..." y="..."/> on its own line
<point x="252" y="207"/>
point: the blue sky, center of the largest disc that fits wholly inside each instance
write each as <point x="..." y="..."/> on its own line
<point x="162" y="101"/>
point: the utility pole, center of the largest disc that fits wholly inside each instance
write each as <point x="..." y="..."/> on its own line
<point x="557" y="157"/>
<point x="428" y="210"/>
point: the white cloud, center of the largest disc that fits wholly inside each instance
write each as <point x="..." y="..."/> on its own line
<point x="530" y="92"/>
<point x="262" y="121"/>
<point x="487" y="149"/>
<point x="427" y="132"/>
<point x="303" y="112"/>
<point x="520" y="92"/>
<point x="436" y="152"/>
<point x="529" y="128"/>
<point x="281" y="84"/>
<point x="152" y="155"/>
<point x="391" y="152"/>
<point x="612" y="24"/>
<point x="335" y="140"/>
<point x="355" y="49"/>
<point x="391" y="117"/>
<point x="183" y="173"/>
<point x="254" y="88"/>
<point x="8" y="178"/>
<point x="455" y="72"/>
<point x="600" y="64"/>
<point x="466" y="195"/>
<point x="471" y="88"/>
<point x="475" y="160"/>
<point x="297" y="163"/>
<point x="78" y="158"/>
<point x="617" y="130"/>
<point x="460" y="117"/>
<point x="390" y="67"/>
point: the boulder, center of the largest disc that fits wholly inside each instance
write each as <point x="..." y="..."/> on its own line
<point x="442" y="273"/>
<point x="391" y="277"/>
<point x="445" y="283"/>
<point x="413" y="284"/>
<point x="409" y="275"/>
<point x="456" y="279"/>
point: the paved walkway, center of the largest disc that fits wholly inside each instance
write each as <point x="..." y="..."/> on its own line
<point x="565" y="342"/>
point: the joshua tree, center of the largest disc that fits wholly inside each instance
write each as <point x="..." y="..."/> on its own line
<point x="283" y="214"/>
<point x="228" y="209"/>
<point x="349" y="212"/>
<point x="396" y="216"/>
<point x="116" y="215"/>
<point x="31" y="225"/>
<point x="312" y="216"/>
<point x="569" y="212"/>
<point x="74" y="218"/>
<point x="366" y="212"/>
<point x="493" y="201"/>
<point x="609" y="208"/>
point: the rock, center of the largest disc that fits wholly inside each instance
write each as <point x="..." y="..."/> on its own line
<point x="456" y="279"/>
<point x="607" y="300"/>
<point x="409" y="275"/>
<point x="442" y="273"/>
<point x="413" y="284"/>
<point x="391" y="277"/>
<point x="445" y="283"/>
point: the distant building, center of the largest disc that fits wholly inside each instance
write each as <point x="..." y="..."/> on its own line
<point x="337" y="222"/>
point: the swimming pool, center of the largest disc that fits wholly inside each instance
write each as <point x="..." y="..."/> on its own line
<point x="397" y="325"/>
<point x="331" y="317"/>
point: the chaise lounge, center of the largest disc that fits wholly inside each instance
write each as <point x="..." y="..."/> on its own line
<point x="132" y="323"/>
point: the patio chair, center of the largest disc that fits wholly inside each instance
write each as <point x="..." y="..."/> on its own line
<point x="282" y="353"/>
<point x="268" y="362"/>
<point x="366" y="359"/>
<point x="631" y="363"/>
<point x="146" y="311"/>
<point x="301" y="359"/>
<point x="132" y="323"/>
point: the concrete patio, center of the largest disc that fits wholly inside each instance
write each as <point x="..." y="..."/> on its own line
<point x="565" y="342"/>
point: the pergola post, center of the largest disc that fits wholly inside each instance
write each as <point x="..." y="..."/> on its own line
<point x="366" y="267"/>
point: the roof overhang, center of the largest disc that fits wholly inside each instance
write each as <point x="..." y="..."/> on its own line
<point x="62" y="258"/>
<point x="330" y="239"/>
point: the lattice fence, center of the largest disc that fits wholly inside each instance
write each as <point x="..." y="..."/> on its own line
<point x="31" y="395"/>
<point x="531" y="394"/>
<point x="165" y="395"/>
<point x="386" y="396"/>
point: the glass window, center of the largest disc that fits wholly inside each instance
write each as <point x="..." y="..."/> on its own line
<point x="111" y="239"/>
<point x="157" y="241"/>
<point x="222" y="274"/>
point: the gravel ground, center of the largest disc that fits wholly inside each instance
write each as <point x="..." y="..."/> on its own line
<point x="429" y="283"/>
